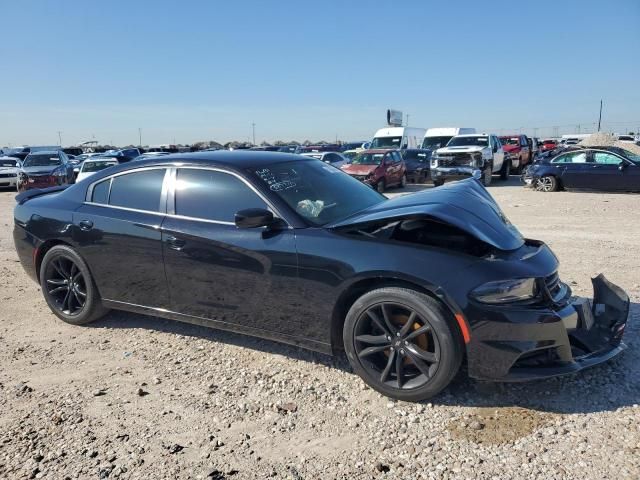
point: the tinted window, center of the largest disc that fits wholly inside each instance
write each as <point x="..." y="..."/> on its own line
<point x="213" y="195"/>
<point x="101" y="192"/>
<point x="139" y="190"/>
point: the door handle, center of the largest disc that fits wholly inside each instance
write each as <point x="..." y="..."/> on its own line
<point x="85" y="225"/>
<point x="175" y="243"/>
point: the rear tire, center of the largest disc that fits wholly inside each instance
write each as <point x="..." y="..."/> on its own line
<point x="68" y="287"/>
<point x="402" y="343"/>
<point x="438" y="183"/>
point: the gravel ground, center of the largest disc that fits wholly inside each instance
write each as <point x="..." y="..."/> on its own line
<point x="141" y="397"/>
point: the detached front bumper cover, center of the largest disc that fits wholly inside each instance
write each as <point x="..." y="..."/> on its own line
<point x="520" y="343"/>
<point x="594" y="333"/>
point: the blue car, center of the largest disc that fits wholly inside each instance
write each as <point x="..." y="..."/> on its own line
<point x="609" y="169"/>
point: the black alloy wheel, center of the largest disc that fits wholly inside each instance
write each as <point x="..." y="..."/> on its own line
<point x="402" y="344"/>
<point x="65" y="285"/>
<point x="68" y="287"/>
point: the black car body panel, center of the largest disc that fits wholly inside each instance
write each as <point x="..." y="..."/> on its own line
<point x="621" y="175"/>
<point x="418" y="163"/>
<point x="294" y="282"/>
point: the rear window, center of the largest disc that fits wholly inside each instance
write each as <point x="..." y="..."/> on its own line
<point x="138" y="190"/>
<point x="101" y="192"/>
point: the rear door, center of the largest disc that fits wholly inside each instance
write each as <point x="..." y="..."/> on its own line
<point x="117" y="230"/>
<point x="243" y="277"/>
<point x="572" y="167"/>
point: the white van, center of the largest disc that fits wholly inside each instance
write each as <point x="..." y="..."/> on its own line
<point x="436" y="138"/>
<point x="398" y="137"/>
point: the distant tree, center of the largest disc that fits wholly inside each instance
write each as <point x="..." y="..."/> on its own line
<point x="293" y="142"/>
<point x="279" y="143"/>
<point x="265" y="144"/>
<point x="306" y="143"/>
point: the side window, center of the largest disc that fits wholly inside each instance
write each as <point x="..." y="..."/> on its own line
<point x="101" y="192"/>
<point x="398" y="157"/>
<point x="139" y="190"/>
<point x="573" y="157"/>
<point x="603" y="158"/>
<point x="212" y="195"/>
<point x="332" y="158"/>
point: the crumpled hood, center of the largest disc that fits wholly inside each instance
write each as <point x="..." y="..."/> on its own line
<point x="359" y="169"/>
<point x="463" y="149"/>
<point x="38" y="170"/>
<point x="465" y="204"/>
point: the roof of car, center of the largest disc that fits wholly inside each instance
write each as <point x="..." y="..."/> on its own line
<point x="44" y="152"/>
<point x="239" y="159"/>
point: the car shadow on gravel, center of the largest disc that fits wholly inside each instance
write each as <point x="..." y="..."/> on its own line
<point x="607" y="387"/>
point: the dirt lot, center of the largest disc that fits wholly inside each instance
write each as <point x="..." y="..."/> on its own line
<point x="141" y="397"/>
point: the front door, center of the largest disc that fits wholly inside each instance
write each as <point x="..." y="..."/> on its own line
<point x="605" y="173"/>
<point x="572" y="167"/>
<point x="217" y="271"/>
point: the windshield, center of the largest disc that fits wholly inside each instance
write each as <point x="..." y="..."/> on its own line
<point x="8" y="162"/>
<point x="320" y="193"/>
<point x="417" y="156"/>
<point x="433" y="143"/>
<point x="367" y="159"/>
<point x="386" y="142"/>
<point x="40" y="160"/>
<point x="509" y="140"/>
<point x="350" y="155"/>
<point x="289" y="149"/>
<point x="93" y="166"/>
<point x="634" y="157"/>
<point x="468" y="142"/>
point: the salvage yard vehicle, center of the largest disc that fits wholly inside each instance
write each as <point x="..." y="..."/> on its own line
<point x="90" y="167"/>
<point x="333" y="158"/>
<point x="469" y="155"/>
<point x="398" y="137"/>
<point x="45" y="169"/>
<point x="288" y="248"/>
<point x="418" y="162"/>
<point x="610" y="169"/>
<point x="438" y="137"/>
<point x="9" y="168"/>
<point x="379" y="169"/>
<point x="518" y="151"/>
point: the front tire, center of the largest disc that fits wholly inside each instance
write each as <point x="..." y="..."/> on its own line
<point x="68" y="287"/>
<point x="547" y="183"/>
<point x="504" y="170"/>
<point x="402" y="343"/>
<point x="438" y="183"/>
<point x="487" y="175"/>
<point x="403" y="181"/>
<point x="381" y="186"/>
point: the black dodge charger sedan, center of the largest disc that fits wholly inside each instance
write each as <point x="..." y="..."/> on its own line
<point x="292" y="249"/>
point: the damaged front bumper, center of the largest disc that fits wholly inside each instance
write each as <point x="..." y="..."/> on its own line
<point x="559" y="340"/>
<point x="455" y="173"/>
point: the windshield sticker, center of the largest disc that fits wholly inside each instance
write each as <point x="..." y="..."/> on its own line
<point x="280" y="186"/>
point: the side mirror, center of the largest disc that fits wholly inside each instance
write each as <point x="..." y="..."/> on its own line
<point x="622" y="166"/>
<point x="254" y="218"/>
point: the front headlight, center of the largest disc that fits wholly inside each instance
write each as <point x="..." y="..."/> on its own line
<point x="434" y="161"/>
<point x="506" y="291"/>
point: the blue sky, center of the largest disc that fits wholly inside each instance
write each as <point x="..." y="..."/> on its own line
<point x="203" y="70"/>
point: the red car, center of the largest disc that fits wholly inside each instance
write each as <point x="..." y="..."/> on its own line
<point x="517" y="150"/>
<point x="378" y="168"/>
<point x="548" y="145"/>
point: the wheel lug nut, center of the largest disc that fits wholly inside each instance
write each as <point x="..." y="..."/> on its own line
<point x="397" y="334"/>
<point x="392" y="349"/>
<point x="402" y="351"/>
<point x="406" y="343"/>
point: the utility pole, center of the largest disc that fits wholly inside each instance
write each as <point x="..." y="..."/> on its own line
<point x="600" y="117"/>
<point x="555" y="132"/>
<point x="60" y="137"/>
<point x="407" y="120"/>
<point x="140" y="137"/>
<point x="253" y="129"/>
<point x="535" y="132"/>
